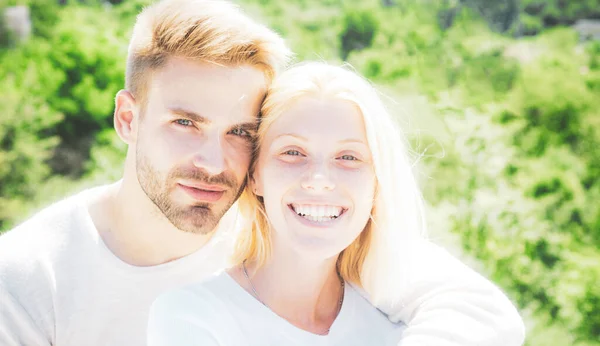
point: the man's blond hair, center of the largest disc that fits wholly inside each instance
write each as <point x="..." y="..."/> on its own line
<point x="211" y="31"/>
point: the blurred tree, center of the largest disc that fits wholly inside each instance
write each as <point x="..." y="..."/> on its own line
<point x="358" y="29"/>
<point x="91" y="58"/>
<point x="6" y="39"/>
<point x="500" y="14"/>
<point x="25" y="119"/>
<point x="561" y="12"/>
<point x="529" y="182"/>
<point x="521" y="17"/>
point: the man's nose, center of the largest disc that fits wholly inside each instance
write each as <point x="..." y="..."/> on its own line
<point x="210" y="156"/>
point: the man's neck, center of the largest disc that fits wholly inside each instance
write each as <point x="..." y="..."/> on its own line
<point x="136" y="231"/>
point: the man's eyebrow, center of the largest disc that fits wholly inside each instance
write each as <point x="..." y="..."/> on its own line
<point x="249" y="125"/>
<point x="189" y="115"/>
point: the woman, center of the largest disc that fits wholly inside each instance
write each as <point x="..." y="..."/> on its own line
<point x="331" y="205"/>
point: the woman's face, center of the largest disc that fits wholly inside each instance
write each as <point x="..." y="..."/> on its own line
<point x="316" y="176"/>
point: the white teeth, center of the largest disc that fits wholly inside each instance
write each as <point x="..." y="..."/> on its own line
<point x="317" y="213"/>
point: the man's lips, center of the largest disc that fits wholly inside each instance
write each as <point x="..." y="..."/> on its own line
<point x="203" y="193"/>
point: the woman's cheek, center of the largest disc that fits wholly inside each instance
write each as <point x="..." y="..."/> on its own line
<point x="281" y="168"/>
<point x="362" y="182"/>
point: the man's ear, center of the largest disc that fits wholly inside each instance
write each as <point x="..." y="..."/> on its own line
<point x="126" y="116"/>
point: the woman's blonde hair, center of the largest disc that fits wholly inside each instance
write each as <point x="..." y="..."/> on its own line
<point x="374" y="260"/>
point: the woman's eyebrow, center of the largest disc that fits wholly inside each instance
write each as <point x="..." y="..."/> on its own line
<point x="352" y="140"/>
<point x="297" y="136"/>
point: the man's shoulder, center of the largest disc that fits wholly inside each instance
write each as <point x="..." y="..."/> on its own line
<point x="43" y="236"/>
<point x="45" y="223"/>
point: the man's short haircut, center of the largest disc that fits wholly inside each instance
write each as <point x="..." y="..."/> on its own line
<point x="209" y="31"/>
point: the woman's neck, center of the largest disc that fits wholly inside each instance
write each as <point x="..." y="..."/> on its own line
<point x="306" y="293"/>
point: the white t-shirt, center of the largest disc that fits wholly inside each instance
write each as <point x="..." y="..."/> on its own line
<point x="219" y="312"/>
<point x="60" y="285"/>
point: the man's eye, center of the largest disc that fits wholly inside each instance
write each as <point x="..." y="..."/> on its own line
<point x="184" y="122"/>
<point x="240" y="132"/>
<point x="348" y="158"/>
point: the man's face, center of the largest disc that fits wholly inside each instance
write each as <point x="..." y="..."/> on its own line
<point x="194" y="141"/>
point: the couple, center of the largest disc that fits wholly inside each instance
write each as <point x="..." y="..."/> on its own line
<point x="329" y="212"/>
<point x="329" y="190"/>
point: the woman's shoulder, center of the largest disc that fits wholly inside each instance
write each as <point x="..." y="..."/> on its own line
<point x="363" y="321"/>
<point x="193" y="314"/>
<point x="207" y="294"/>
<point x="362" y="307"/>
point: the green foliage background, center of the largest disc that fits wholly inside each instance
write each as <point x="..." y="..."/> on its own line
<point x="501" y="100"/>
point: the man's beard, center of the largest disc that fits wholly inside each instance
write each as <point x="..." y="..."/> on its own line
<point x="200" y="217"/>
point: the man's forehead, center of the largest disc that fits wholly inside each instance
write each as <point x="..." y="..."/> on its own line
<point x="218" y="94"/>
<point x="196" y="114"/>
<point x="210" y="71"/>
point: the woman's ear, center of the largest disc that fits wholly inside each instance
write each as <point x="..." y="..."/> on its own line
<point x="126" y="117"/>
<point x="255" y="182"/>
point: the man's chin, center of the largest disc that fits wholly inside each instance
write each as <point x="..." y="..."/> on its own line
<point x="196" y="224"/>
<point x="195" y="228"/>
<point x="198" y="218"/>
<point x="200" y="230"/>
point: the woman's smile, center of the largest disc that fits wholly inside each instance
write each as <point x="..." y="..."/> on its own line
<point x="322" y="214"/>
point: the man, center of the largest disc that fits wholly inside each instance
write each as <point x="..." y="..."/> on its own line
<point x="86" y="270"/>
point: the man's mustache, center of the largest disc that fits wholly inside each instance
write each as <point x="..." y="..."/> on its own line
<point x="223" y="179"/>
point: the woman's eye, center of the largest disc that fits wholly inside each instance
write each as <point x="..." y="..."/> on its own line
<point x="184" y="122"/>
<point x="292" y="152"/>
<point x="348" y="158"/>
